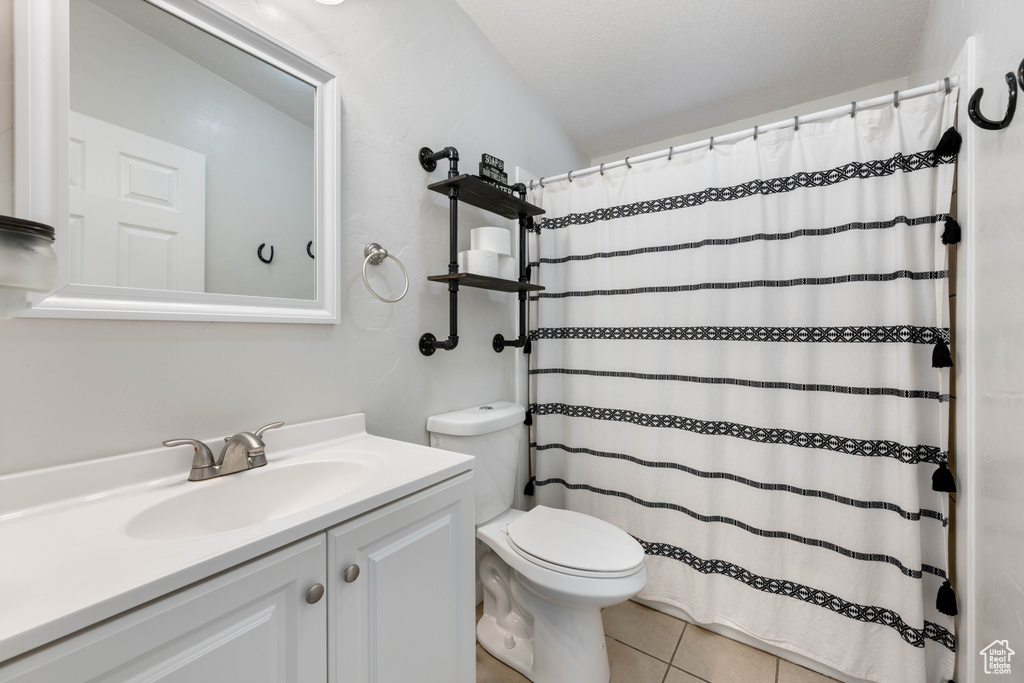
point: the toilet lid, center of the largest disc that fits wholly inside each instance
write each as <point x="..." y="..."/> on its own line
<point x="574" y="540"/>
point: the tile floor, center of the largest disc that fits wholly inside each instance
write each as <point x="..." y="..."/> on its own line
<point x="646" y="646"/>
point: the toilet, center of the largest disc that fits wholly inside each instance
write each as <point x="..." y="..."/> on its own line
<point x="547" y="573"/>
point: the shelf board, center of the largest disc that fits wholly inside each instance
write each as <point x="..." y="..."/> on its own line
<point x="486" y="282"/>
<point x="483" y="195"/>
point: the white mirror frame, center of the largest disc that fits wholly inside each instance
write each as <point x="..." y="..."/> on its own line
<point x="41" y="158"/>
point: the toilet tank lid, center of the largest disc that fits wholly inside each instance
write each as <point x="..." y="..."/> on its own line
<point x="482" y="419"/>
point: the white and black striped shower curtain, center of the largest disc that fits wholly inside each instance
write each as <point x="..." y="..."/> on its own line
<point x="732" y="361"/>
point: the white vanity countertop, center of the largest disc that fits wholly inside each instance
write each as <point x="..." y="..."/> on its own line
<point x="66" y="560"/>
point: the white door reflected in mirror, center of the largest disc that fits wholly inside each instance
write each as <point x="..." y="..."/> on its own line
<point x="138" y="209"/>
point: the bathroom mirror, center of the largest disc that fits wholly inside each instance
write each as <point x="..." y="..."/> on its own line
<point x="166" y="141"/>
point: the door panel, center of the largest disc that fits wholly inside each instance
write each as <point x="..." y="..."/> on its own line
<point x="140" y="207"/>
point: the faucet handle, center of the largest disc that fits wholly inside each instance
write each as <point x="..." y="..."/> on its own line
<point x="272" y="425"/>
<point x="202" y="459"/>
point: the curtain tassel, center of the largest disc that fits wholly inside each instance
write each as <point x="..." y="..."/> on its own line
<point x="529" y="418"/>
<point x="528" y="346"/>
<point x="951" y="234"/>
<point x="940" y="355"/>
<point x="945" y="602"/>
<point x="528" y="491"/>
<point x="949" y="144"/>
<point x="942" y="480"/>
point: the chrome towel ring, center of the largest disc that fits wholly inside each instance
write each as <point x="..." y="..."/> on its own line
<point x="375" y="254"/>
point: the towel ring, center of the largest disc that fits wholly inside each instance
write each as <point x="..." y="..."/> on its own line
<point x="376" y="254"/>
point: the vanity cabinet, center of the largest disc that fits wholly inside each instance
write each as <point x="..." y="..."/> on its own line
<point x="251" y="623"/>
<point x="401" y="593"/>
<point x="408" y="615"/>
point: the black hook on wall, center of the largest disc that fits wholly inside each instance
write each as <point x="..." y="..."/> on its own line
<point x="259" y="253"/>
<point x="980" y="120"/>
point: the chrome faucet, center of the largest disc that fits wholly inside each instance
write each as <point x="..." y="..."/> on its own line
<point x="243" y="451"/>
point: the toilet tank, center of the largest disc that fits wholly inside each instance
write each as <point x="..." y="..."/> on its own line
<point x="494" y="434"/>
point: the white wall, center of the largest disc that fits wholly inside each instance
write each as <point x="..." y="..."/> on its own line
<point x="259" y="162"/>
<point x="412" y="73"/>
<point x="990" y="331"/>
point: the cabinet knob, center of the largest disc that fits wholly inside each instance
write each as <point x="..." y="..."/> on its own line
<point x="351" y="573"/>
<point x="314" y="594"/>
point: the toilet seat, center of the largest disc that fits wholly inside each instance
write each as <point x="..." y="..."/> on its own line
<point x="574" y="543"/>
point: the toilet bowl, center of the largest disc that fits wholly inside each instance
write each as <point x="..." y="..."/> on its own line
<point x="544" y="619"/>
<point x="547" y="573"/>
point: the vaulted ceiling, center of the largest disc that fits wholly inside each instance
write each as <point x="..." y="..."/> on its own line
<point x="623" y="73"/>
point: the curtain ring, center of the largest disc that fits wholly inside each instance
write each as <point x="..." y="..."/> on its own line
<point x="628" y="165"/>
<point x="376" y="254"/>
<point x="570" y="176"/>
<point x="711" y="144"/>
<point x="541" y="181"/>
<point x="853" y="110"/>
<point x="896" y="98"/>
<point x="670" y="152"/>
<point x="796" y="123"/>
<point x="949" y="88"/>
<point x="531" y="184"/>
<point x="755" y="132"/>
<point x="602" y="169"/>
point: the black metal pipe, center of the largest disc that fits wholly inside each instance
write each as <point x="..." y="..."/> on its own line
<point x="428" y="160"/>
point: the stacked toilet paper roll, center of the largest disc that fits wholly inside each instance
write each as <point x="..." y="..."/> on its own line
<point x="498" y="240"/>
<point x="479" y="261"/>
<point x="490" y="253"/>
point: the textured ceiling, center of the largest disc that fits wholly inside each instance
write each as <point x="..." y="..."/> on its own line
<point x="623" y="73"/>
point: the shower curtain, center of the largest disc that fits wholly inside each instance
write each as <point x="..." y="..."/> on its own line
<point x="732" y="361"/>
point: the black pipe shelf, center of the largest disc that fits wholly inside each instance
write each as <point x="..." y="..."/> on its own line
<point x="479" y="193"/>
<point x="486" y="282"/>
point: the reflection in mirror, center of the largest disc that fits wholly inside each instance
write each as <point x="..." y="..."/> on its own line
<point x="186" y="153"/>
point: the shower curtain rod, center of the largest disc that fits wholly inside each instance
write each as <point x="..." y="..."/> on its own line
<point x="898" y="96"/>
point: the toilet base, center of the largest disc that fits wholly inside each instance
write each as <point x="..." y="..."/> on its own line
<point x="515" y="618"/>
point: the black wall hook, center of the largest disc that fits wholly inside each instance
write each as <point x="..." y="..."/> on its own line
<point x="309" y="251"/>
<point x="259" y="253"/>
<point x="979" y="119"/>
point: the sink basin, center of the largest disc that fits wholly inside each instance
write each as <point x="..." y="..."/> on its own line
<point x="240" y="500"/>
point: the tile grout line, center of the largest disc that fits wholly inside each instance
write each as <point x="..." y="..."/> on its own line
<point x="674" y="651"/>
<point x="778" y="663"/>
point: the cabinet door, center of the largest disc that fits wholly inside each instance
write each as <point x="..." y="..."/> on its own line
<point x="251" y="623"/>
<point x="409" y="614"/>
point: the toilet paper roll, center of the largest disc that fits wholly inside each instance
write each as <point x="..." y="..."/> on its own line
<point x="480" y="262"/>
<point x="506" y="267"/>
<point x="498" y="240"/>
